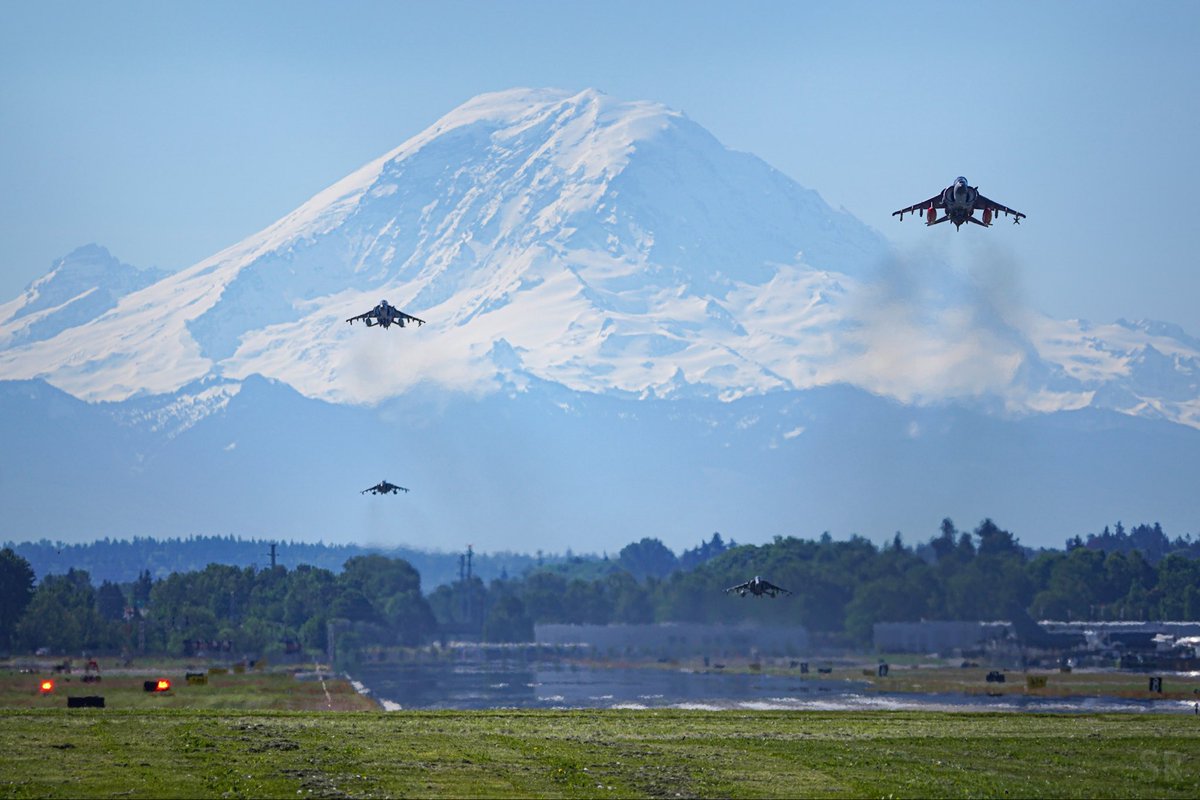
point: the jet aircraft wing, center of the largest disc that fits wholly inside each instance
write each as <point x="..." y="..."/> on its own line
<point x="933" y="202"/>
<point x="770" y="587"/>
<point x="741" y="587"/>
<point x="364" y="317"/>
<point x="384" y="488"/>
<point x="982" y="202"/>
<point x="399" y="317"/>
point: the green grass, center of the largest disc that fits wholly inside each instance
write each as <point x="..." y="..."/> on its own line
<point x="267" y="734"/>
<point x="122" y="689"/>
<point x="1129" y="685"/>
<point x="654" y="753"/>
<point x="916" y="676"/>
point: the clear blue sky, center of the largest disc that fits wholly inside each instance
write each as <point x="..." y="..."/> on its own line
<point x="168" y="130"/>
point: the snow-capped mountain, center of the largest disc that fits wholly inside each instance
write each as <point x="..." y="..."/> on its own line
<point x="572" y="246"/>
<point x="79" y="288"/>
<point x="601" y="245"/>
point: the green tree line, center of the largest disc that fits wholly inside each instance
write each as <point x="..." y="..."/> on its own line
<point x="237" y="610"/>
<point x="840" y="589"/>
<point x="123" y="560"/>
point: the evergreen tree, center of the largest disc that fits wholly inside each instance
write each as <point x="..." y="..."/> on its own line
<point x="647" y="558"/>
<point x="62" y="615"/>
<point x="943" y="545"/>
<point x="141" y="589"/>
<point x="110" y="601"/>
<point x="16" y="590"/>
<point x="507" y="621"/>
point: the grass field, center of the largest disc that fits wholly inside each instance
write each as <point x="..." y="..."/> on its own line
<point x="921" y="677"/>
<point x="1079" y="683"/>
<point x="268" y="734"/>
<point x="671" y="753"/>
<point x="122" y="689"/>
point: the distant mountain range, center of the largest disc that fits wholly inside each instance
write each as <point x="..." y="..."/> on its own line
<point x="632" y="331"/>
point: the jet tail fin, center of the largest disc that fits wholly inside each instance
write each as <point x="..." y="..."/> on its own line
<point x="937" y="221"/>
<point x="977" y="222"/>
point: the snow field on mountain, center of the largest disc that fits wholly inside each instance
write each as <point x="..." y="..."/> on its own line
<point x="602" y="246"/>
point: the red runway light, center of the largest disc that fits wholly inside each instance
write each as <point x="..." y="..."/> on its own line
<point x="46" y="687"/>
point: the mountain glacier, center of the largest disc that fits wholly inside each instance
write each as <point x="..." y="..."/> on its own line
<point x="574" y="245"/>
<point x="600" y="245"/>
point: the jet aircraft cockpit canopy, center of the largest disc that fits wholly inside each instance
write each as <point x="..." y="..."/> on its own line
<point x="961" y="180"/>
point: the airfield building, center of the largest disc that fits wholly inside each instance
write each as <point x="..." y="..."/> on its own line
<point x="1130" y="641"/>
<point x="678" y="640"/>
<point x="938" y="636"/>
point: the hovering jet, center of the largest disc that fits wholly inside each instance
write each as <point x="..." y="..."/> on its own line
<point x="385" y="314"/>
<point x="383" y="487"/>
<point x="757" y="587"/>
<point x="959" y="202"/>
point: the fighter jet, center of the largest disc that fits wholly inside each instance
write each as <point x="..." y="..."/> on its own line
<point x="959" y="202"/>
<point x="385" y="314"/>
<point x="383" y="487"/>
<point x="757" y="587"/>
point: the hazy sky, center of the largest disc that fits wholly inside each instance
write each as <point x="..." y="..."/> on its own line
<point x="167" y="131"/>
